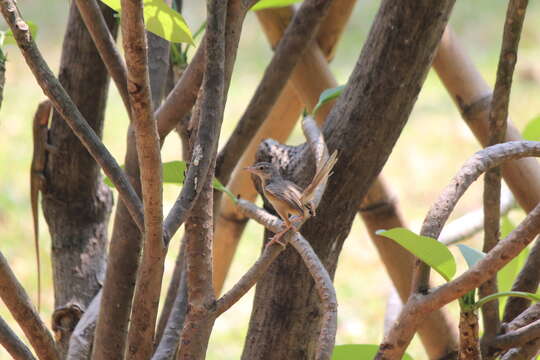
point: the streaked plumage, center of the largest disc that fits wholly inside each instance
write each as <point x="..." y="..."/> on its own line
<point x="285" y="196"/>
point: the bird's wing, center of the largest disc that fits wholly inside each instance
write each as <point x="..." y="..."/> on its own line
<point x="320" y="176"/>
<point x="285" y="191"/>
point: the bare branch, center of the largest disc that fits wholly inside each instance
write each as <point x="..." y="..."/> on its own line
<point x="63" y="104"/>
<point x="518" y="337"/>
<point x="492" y="181"/>
<point x="20" y="306"/>
<point x="472" y="223"/>
<point x="13" y="345"/>
<point x="148" y="286"/>
<point x="296" y="39"/>
<point x="105" y="44"/>
<point x="421" y="303"/>
<point x="474" y="167"/>
<point x="327" y="294"/>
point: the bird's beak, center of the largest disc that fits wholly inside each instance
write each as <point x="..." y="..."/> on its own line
<point x="250" y="169"/>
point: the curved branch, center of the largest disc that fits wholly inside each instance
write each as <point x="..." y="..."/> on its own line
<point x="420" y="305"/>
<point x="517" y="338"/>
<point x="442" y="208"/>
<point x="68" y="110"/>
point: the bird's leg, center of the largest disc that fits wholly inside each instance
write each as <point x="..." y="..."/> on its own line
<point x="277" y="237"/>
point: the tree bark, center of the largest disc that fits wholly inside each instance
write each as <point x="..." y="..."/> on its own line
<point x="77" y="204"/>
<point x="364" y="126"/>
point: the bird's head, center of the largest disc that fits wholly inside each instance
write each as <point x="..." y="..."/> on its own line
<point x="264" y="170"/>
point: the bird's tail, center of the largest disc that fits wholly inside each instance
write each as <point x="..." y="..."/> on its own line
<point x="320" y="177"/>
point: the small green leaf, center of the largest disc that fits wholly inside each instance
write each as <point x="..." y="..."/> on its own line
<point x="10" y="40"/>
<point x="328" y="95"/>
<point x="532" y="130"/>
<point x="358" y="352"/>
<point x="219" y="187"/>
<point x="472" y="256"/>
<point x="268" y="4"/>
<point x="427" y="249"/>
<point x="160" y="19"/>
<point x="174" y="173"/>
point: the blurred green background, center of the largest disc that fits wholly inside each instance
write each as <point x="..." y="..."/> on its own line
<point x="434" y="144"/>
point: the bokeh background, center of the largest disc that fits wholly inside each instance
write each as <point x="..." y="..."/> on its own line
<point x="434" y="144"/>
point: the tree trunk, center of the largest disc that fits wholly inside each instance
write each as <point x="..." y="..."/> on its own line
<point x="77" y="204"/>
<point x="364" y="126"/>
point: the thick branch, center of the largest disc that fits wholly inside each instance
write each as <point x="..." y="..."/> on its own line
<point x="13" y="345"/>
<point x="18" y="303"/>
<point x="63" y="104"/>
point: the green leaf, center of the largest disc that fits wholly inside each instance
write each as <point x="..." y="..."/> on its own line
<point x="328" y="95"/>
<point x="427" y="249"/>
<point x="269" y="4"/>
<point x="358" y="352"/>
<point x="216" y="184"/>
<point x="9" y="39"/>
<point x="161" y="20"/>
<point x="174" y="173"/>
<point x="532" y="130"/>
<point x="472" y="256"/>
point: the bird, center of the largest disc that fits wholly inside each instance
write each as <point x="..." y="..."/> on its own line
<point x="286" y="197"/>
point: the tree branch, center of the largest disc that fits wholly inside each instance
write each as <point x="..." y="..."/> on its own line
<point x="443" y="206"/>
<point x="492" y="181"/>
<point x="13" y="345"/>
<point x="20" y="306"/>
<point x="63" y="104"/>
<point x="105" y="43"/>
<point x="296" y="39"/>
<point x="422" y="303"/>
<point x="80" y="342"/>
<point x="148" y="285"/>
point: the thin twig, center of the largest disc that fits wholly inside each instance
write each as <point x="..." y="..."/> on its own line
<point x="472" y="223"/>
<point x="20" y="306"/>
<point x="492" y="180"/>
<point x="148" y="285"/>
<point x="13" y="345"/>
<point x="296" y="39"/>
<point x="105" y="44"/>
<point x="67" y="109"/>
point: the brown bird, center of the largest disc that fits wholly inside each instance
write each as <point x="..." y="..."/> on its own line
<point x="286" y="197"/>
